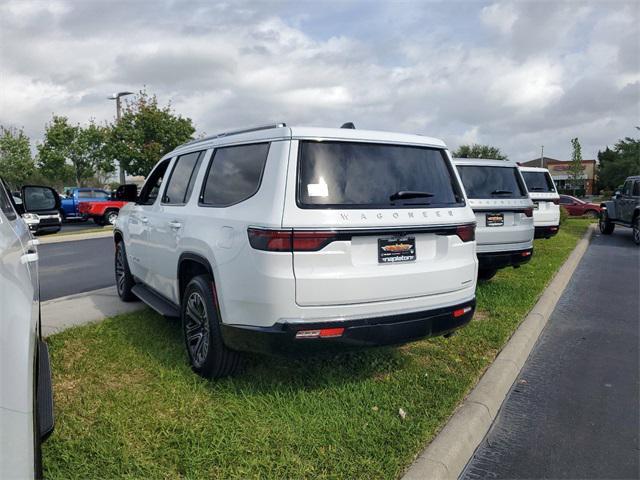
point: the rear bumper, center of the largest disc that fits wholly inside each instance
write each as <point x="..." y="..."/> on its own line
<point x="504" y="259"/>
<point x="546" y="232"/>
<point x="366" y="332"/>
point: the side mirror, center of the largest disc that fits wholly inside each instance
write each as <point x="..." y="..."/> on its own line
<point x="38" y="198"/>
<point x="617" y="194"/>
<point x="127" y="193"/>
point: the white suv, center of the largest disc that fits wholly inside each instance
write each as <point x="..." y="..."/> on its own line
<point x="26" y="401"/>
<point x="546" y="201"/>
<point x="283" y="239"/>
<point x="504" y="213"/>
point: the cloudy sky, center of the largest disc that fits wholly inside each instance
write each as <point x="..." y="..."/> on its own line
<point x="516" y="75"/>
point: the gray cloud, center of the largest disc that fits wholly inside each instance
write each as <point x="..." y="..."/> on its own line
<point x="513" y="74"/>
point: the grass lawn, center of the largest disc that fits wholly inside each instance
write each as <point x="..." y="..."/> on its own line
<point x="128" y="405"/>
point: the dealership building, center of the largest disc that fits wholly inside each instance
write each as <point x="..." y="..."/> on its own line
<point x="559" y="170"/>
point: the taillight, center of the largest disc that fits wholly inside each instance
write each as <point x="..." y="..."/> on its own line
<point x="289" y="240"/>
<point x="467" y="233"/>
<point x="528" y="212"/>
<point x="556" y="201"/>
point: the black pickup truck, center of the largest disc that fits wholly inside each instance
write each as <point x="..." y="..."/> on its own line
<point x="623" y="209"/>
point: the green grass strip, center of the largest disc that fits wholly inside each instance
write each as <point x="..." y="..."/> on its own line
<point x="127" y="404"/>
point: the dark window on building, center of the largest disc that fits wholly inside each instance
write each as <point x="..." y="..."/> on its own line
<point x="180" y="183"/>
<point x="491" y="182"/>
<point x="151" y="188"/>
<point x="367" y="175"/>
<point x="234" y="174"/>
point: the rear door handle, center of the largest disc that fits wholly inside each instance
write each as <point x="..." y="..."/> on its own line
<point x="30" y="257"/>
<point x="175" y="225"/>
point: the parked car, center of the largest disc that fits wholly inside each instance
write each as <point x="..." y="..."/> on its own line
<point x="577" y="208"/>
<point x="42" y="207"/>
<point x="623" y="209"/>
<point x="504" y="213"/>
<point x="285" y="239"/>
<point x="26" y="401"/>
<point x="75" y="196"/>
<point x="546" y="201"/>
<point x="106" y="212"/>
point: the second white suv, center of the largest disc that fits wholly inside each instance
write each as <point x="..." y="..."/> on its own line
<point x="504" y="213"/>
<point x="282" y="239"/>
<point x="546" y="201"/>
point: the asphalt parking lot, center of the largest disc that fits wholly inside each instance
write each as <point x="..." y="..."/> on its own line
<point x="573" y="412"/>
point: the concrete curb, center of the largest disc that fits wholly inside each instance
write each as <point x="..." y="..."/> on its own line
<point x="447" y="455"/>
<point x="82" y="308"/>
<point x="74" y="237"/>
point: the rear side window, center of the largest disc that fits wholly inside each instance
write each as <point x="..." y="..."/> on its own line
<point x="626" y="190"/>
<point x="636" y="189"/>
<point x="85" y="194"/>
<point x="491" y="182"/>
<point x="151" y="188"/>
<point x="5" y="204"/>
<point x="100" y="194"/>
<point x="234" y="174"/>
<point x="538" y="181"/>
<point x="181" y="180"/>
<point x="367" y="175"/>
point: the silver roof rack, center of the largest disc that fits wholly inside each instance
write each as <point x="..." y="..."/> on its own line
<point x="236" y="132"/>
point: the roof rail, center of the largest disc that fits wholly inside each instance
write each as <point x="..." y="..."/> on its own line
<point x="236" y="132"/>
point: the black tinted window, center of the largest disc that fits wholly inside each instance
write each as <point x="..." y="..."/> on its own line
<point x="626" y="190"/>
<point x="151" y="187"/>
<point x="491" y="182"/>
<point x="182" y="177"/>
<point x="538" y="181"/>
<point x="5" y="204"/>
<point x="234" y="174"/>
<point x="355" y="175"/>
<point x="39" y="198"/>
<point x="565" y="200"/>
<point x="636" y="189"/>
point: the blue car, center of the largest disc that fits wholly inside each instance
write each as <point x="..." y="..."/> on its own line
<point x="75" y="196"/>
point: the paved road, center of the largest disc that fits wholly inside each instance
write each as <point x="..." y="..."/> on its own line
<point x="74" y="267"/>
<point x="573" y="411"/>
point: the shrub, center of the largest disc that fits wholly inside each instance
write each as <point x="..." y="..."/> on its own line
<point x="564" y="214"/>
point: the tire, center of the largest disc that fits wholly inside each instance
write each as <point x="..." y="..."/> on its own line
<point x="124" y="279"/>
<point x="208" y="355"/>
<point x="636" y="230"/>
<point x="110" y="217"/>
<point x="605" y="225"/>
<point x="591" y="214"/>
<point x="486" y="274"/>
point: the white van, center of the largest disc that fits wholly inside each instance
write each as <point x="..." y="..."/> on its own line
<point x="280" y="239"/>
<point x="504" y="213"/>
<point x="546" y="200"/>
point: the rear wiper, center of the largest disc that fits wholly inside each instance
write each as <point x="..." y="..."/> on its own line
<point x="409" y="194"/>
<point x="501" y="192"/>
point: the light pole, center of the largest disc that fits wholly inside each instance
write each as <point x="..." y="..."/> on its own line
<point x="116" y="97"/>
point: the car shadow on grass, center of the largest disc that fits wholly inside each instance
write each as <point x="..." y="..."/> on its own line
<point x="160" y="340"/>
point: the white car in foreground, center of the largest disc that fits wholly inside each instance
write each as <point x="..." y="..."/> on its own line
<point x="504" y="213"/>
<point x="26" y="402"/>
<point x="546" y="201"/>
<point x="284" y="239"/>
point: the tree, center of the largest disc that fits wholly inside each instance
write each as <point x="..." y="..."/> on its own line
<point x="53" y="152"/>
<point x="145" y="133"/>
<point x="16" y="164"/>
<point x="71" y="153"/>
<point x="617" y="164"/>
<point x="576" y="169"/>
<point x="479" y="151"/>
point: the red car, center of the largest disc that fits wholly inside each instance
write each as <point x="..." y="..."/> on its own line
<point x="106" y="212"/>
<point x="578" y="208"/>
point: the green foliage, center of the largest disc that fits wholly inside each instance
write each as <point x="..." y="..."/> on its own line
<point x="479" y="151"/>
<point x="564" y="215"/>
<point x="576" y="169"/>
<point x="16" y="164"/>
<point x="145" y="133"/>
<point x="128" y="405"/>
<point x="74" y="154"/>
<point x="617" y="164"/>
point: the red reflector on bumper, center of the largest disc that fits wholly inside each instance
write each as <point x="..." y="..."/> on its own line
<point x="322" y="333"/>
<point x="461" y="311"/>
<point x="526" y="254"/>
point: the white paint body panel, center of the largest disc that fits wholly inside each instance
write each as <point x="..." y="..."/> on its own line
<point x="343" y="280"/>
<point x="548" y="213"/>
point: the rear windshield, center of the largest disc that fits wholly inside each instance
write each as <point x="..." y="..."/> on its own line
<point x="366" y="175"/>
<point x="492" y="182"/>
<point x="538" y="181"/>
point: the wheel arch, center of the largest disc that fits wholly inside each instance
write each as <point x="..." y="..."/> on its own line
<point x="117" y="236"/>
<point x="191" y="265"/>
